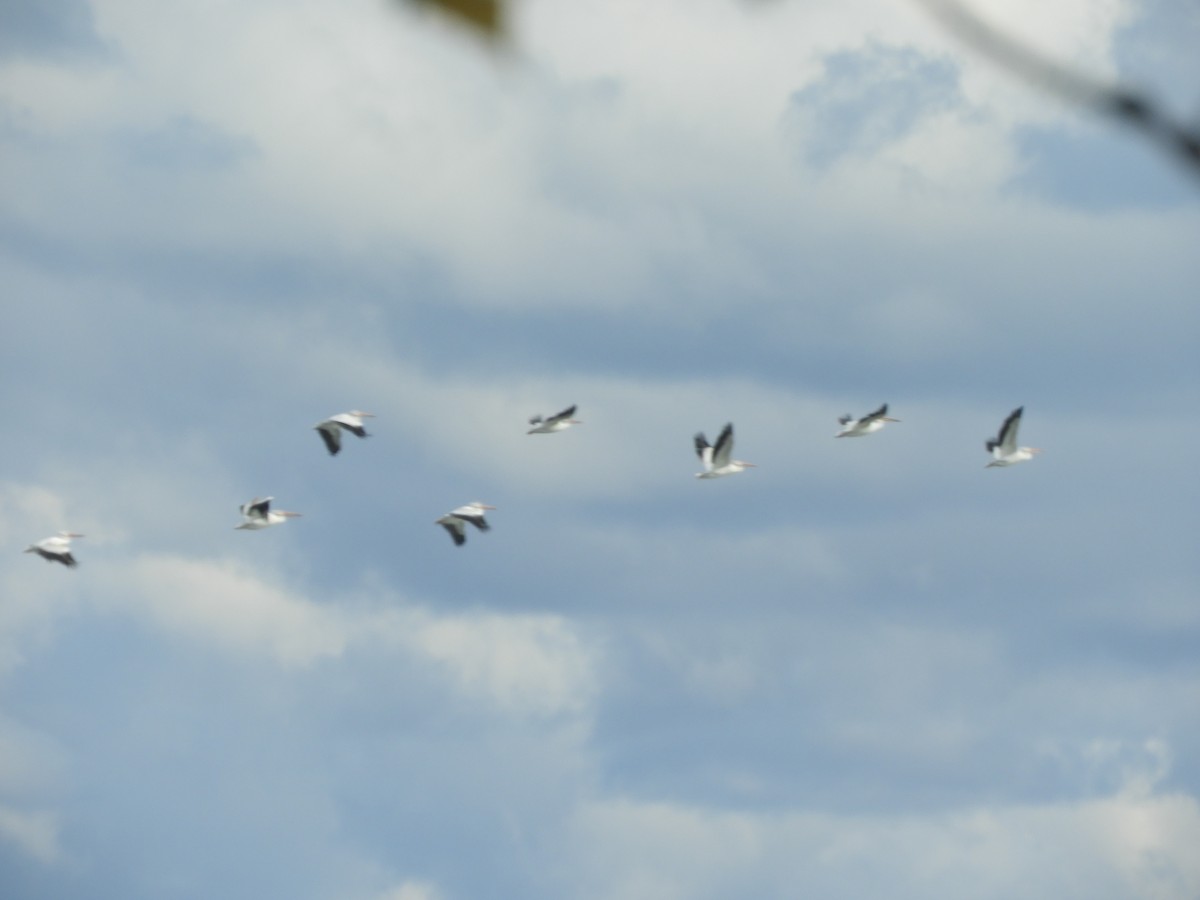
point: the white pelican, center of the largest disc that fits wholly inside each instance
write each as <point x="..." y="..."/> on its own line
<point x="715" y="458"/>
<point x="1003" y="447"/>
<point x="331" y="429"/>
<point x="852" y="427"/>
<point x="456" y="522"/>
<point x="556" y="422"/>
<point x="56" y="549"/>
<point x="258" y="514"/>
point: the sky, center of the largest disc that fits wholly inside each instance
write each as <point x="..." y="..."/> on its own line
<point x="864" y="668"/>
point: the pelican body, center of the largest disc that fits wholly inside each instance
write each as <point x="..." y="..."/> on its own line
<point x="56" y="548"/>
<point x="716" y="457"/>
<point x="257" y="514"/>
<point x="557" y="422"/>
<point x="331" y="429"/>
<point x="455" y="522"/>
<point x="1003" y="447"/>
<point x="868" y="424"/>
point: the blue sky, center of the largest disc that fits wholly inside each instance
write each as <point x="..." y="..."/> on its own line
<point x="863" y="668"/>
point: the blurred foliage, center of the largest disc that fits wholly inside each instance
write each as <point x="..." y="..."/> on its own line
<point x="485" y="17"/>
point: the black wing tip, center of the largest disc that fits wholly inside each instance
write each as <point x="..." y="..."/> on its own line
<point x="459" y="537"/>
<point x="331" y="443"/>
<point x="725" y="435"/>
<point x="1013" y="418"/>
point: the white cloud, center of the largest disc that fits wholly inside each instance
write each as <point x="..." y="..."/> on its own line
<point x="254" y="208"/>
<point x="457" y="168"/>
<point x="35" y="832"/>
<point x="412" y="890"/>
<point x="1125" y="846"/>
<point x="230" y="605"/>
<point x="518" y="664"/>
<point x="534" y="665"/>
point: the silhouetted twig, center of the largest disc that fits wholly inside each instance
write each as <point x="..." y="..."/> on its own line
<point x="1124" y="104"/>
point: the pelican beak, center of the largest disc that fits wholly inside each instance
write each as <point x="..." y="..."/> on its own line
<point x="890" y="419"/>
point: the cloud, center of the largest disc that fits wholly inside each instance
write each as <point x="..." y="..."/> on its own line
<point x="1117" y="847"/>
<point x="868" y="99"/>
<point x="55" y="29"/>
<point x="35" y="832"/>
<point x="185" y="143"/>
<point x="517" y="664"/>
<point x="234" y="607"/>
<point x="866" y="668"/>
<point x="525" y="664"/>
<point x="411" y="890"/>
<point x="27" y="510"/>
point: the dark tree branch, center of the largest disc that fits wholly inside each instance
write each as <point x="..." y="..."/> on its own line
<point x="1127" y="106"/>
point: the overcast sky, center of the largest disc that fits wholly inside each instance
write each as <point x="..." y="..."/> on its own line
<point x="865" y="668"/>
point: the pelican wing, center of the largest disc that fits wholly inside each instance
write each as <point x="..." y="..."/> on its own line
<point x="558" y="417"/>
<point x="351" y="423"/>
<point x="331" y="435"/>
<point x="723" y="448"/>
<point x="878" y="414"/>
<point x="455" y="528"/>
<point x="477" y="520"/>
<point x="62" y="556"/>
<point x="256" y="508"/>
<point x="473" y="514"/>
<point x="1007" y="439"/>
<point x="704" y="450"/>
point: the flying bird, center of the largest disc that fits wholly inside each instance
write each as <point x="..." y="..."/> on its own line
<point x="56" y="549"/>
<point x="871" y="422"/>
<point x="455" y="522"/>
<point x="1003" y="447"/>
<point x="331" y="429"/>
<point x="557" y="422"/>
<point x="258" y="514"/>
<point x="715" y="458"/>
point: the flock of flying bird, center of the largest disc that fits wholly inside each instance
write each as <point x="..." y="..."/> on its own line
<point x="716" y="460"/>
